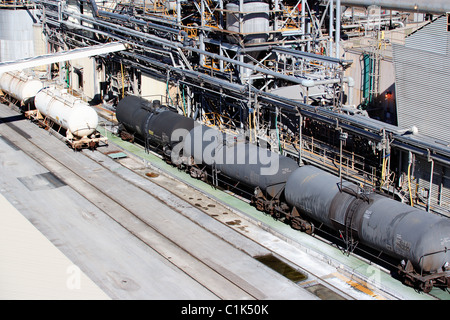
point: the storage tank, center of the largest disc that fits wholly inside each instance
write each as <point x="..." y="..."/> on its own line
<point x="71" y="113"/>
<point x="16" y="33"/>
<point x="20" y="86"/>
<point x="255" y="20"/>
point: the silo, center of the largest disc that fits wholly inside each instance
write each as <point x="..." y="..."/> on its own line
<point x="16" y="34"/>
<point x="255" y="24"/>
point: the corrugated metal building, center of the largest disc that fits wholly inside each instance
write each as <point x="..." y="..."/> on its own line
<point x="422" y="75"/>
<point x="422" y="72"/>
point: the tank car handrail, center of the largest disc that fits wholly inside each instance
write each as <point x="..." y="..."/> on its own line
<point x="61" y="98"/>
<point x="354" y="193"/>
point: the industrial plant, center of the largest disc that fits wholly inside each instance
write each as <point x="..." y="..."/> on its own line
<point x="329" y="117"/>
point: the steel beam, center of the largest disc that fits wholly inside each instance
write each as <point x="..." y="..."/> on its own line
<point x="78" y="53"/>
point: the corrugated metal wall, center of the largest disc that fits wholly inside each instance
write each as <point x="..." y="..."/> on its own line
<point x="422" y="70"/>
<point x="422" y="76"/>
<point x="16" y="34"/>
<point x="432" y="37"/>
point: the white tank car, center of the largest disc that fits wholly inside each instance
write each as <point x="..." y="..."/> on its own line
<point x="71" y="113"/>
<point x="19" y="85"/>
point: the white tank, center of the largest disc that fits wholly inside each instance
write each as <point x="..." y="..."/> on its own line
<point x="20" y="86"/>
<point x="255" y="20"/>
<point x="71" y="113"/>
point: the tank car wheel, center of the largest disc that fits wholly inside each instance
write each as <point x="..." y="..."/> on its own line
<point x="302" y="225"/>
<point x="310" y="229"/>
<point x="426" y="286"/>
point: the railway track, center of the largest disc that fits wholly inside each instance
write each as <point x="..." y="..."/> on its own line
<point x="241" y="223"/>
<point x="323" y="286"/>
<point x="184" y="200"/>
<point x="368" y="286"/>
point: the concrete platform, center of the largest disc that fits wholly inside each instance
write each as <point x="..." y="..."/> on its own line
<point x="100" y="247"/>
<point x="31" y="267"/>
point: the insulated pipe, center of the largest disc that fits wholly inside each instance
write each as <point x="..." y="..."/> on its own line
<point x="61" y="56"/>
<point x="337" y="34"/>
<point x="362" y="125"/>
<point x="423" y="6"/>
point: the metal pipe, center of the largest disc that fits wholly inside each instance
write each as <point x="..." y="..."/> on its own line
<point x="303" y="28"/>
<point x="351" y="123"/>
<point x="337" y="34"/>
<point x="366" y="127"/>
<point x="331" y="28"/>
<point x="311" y="56"/>
<point x="423" y="6"/>
<point x="300" y="140"/>
<point x="302" y="81"/>
<point x="178" y="12"/>
<point x="431" y="185"/>
<point x="127" y="18"/>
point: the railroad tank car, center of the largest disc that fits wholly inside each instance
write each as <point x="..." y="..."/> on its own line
<point x="151" y="121"/>
<point x="233" y="156"/>
<point x="304" y="195"/>
<point x="20" y="86"/>
<point x="399" y="230"/>
<point x="73" y="114"/>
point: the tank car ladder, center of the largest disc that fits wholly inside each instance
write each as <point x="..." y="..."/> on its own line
<point x="347" y="235"/>
<point x="350" y="242"/>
